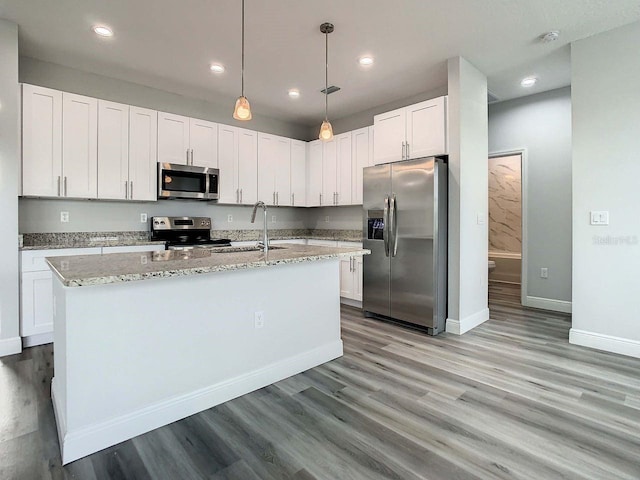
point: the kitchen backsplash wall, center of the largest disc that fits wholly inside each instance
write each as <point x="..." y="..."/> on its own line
<point x="40" y="215"/>
<point x="338" y="218"/>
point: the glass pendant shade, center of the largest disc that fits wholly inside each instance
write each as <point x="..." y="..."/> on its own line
<point x="243" y="109"/>
<point x="326" y="131"/>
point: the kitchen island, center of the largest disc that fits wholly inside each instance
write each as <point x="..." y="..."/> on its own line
<point x="144" y="339"/>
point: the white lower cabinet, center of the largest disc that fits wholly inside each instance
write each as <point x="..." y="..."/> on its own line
<point x="350" y="269"/>
<point x="36" y="288"/>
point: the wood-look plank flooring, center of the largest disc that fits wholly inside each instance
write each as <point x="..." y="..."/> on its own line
<point x="509" y="400"/>
<point x="502" y="293"/>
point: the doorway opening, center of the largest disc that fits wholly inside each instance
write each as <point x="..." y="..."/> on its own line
<point x="507" y="277"/>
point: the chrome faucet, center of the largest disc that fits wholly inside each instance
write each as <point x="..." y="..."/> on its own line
<point x="264" y="243"/>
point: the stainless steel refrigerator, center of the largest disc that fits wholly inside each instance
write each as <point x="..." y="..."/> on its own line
<point x="405" y="227"/>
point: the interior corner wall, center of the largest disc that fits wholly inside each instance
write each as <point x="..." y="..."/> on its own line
<point x="9" y="181"/>
<point x="541" y="125"/>
<point x="606" y="177"/>
<point x="468" y="197"/>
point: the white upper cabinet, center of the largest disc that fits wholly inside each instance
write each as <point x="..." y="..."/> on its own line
<point x="283" y="171"/>
<point x="173" y="139"/>
<point x="415" y="131"/>
<point x="41" y="141"/>
<point x="314" y="175"/>
<point x="359" y="161"/>
<point x="329" y="171"/>
<point x="427" y="128"/>
<point x="229" y="192"/>
<point x="267" y="168"/>
<point x="203" y="141"/>
<point x="143" y="154"/>
<point x="248" y="166"/>
<point x="344" y="172"/>
<point x="79" y="146"/>
<point x="113" y="150"/>
<point x="390" y="136"/>
<point x="298" y="173"/>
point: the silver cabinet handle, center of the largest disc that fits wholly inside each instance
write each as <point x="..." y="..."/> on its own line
<point x="65" y="186"/>
<point x="126" y="190"/>
<point x="131" y="191"/>
<point x="403" y="150"/>
<point x="274" y="198"/>
<point x="187" y="156"/>
<point x="385" y="226"/>
<point x="240" y="195"/>
<point x="237" y="195"/>
<point x="408" y="151"/>
<point x="59" y="178"/>
<point x="321" y="199"/>
<point x="192" y="156"/>
<point x="277" y="198"/>
<point x="293" y="199"/>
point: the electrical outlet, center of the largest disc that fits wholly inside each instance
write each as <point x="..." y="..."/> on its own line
<point x="600" y="218"/>
<point x="64" y="217"/>
<point x="230" y="218"/>
<point x="273" y="219"/>
<point x="544" y="272"/>
<point x="143" y="218"/>
<point x="258" y="321"/>
<point x="326" y="219"/>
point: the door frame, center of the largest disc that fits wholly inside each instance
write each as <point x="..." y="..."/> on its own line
<point x="524" y="173"/>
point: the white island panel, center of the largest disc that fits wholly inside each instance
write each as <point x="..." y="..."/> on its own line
<point x="134" y="356"/>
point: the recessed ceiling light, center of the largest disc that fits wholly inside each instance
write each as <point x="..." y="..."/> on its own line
<point x="528" y="82"/>
<point x="102" y="31"/>
<point x="365" y="61"/>
<point x="294" y="93"/>
<point x="216" y="68"/>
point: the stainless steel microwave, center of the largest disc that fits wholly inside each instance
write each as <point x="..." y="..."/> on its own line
<point x="187" y="181"/>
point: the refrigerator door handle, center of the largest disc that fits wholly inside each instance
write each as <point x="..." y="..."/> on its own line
<point x="385" y="226"/>
<point x="393" y="220"/>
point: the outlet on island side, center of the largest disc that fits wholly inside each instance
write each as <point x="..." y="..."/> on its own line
<point x="258" y="321"/>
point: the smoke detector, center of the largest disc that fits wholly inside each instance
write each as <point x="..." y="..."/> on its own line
<point x="549" y="37"/>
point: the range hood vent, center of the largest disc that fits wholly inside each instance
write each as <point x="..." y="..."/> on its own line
<point x="330" y="90"/>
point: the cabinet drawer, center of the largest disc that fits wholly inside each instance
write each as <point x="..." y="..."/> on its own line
<point x="34" y="260"/>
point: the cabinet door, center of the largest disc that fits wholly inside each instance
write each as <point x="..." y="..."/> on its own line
<point x="298" y="173"/>
<point x="173" y="138"/>
<point x="113" y="150"/>
<point x="41" y="141"/>
<point x="359" y="161"/>
<point x="346" y="278"/>
<point x="267" y="168"/>
<point x="228" y="164"/>
<point x="79" y="146"/>
<point x="426" y="128"/>
<point x="36" y="297"/>
<point x="283" y="171"/>
<point x="203" y="140"/>
<point x="371" y="146"/>
<point x="343" y="170"/>
<point x="248" y="166"/>
<point x="314" y="175"/>
<point x="390" y="134"/>
<point x="329" y="172"/>
<point x="143" y="154"/>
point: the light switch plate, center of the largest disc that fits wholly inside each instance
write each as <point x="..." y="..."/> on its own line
<point x="599" y="217"/>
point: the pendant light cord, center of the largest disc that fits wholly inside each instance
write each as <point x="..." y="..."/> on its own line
<point x="326" y="76"/>
<point x="242" y="70"/>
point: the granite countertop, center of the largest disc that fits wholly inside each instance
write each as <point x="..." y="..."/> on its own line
<point x="87" y="270"/>
<point x="52" y="241"/>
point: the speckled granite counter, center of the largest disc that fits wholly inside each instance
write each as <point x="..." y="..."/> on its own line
<point x="51" y="241"/>
<point x="86" y="270"/>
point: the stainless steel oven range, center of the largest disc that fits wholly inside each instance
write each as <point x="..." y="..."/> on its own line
<point x="185" y="233"/>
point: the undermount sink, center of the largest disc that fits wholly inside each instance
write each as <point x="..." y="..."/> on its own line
<point x="242" y="249"/>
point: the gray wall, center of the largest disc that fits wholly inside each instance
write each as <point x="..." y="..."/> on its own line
<point x="541" y="124"/>
<point x="339" y="218"/>
<point x="365" y="118"/>
<point x="606" y="176"/>
<point x="55" y="76"/>
<point x="39" y="215"/>
<point x="9" y="181"/>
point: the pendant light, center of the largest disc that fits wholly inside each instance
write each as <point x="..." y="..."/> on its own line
<point x="326" y="130"/>
<point x="243" y="109"/>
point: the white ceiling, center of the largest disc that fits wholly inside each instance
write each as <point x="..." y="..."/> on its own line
<point x="169" y="44"/>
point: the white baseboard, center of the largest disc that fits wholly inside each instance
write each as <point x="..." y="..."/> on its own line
<point x="350" y="302"/>
<point x="10" y="346"/>
<point x="458" y="327"/>
<point x="88" y="440"/>
<point x="607" y="343"/>
<point x="548" y="304"/>
<point x="34" y="340"/>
